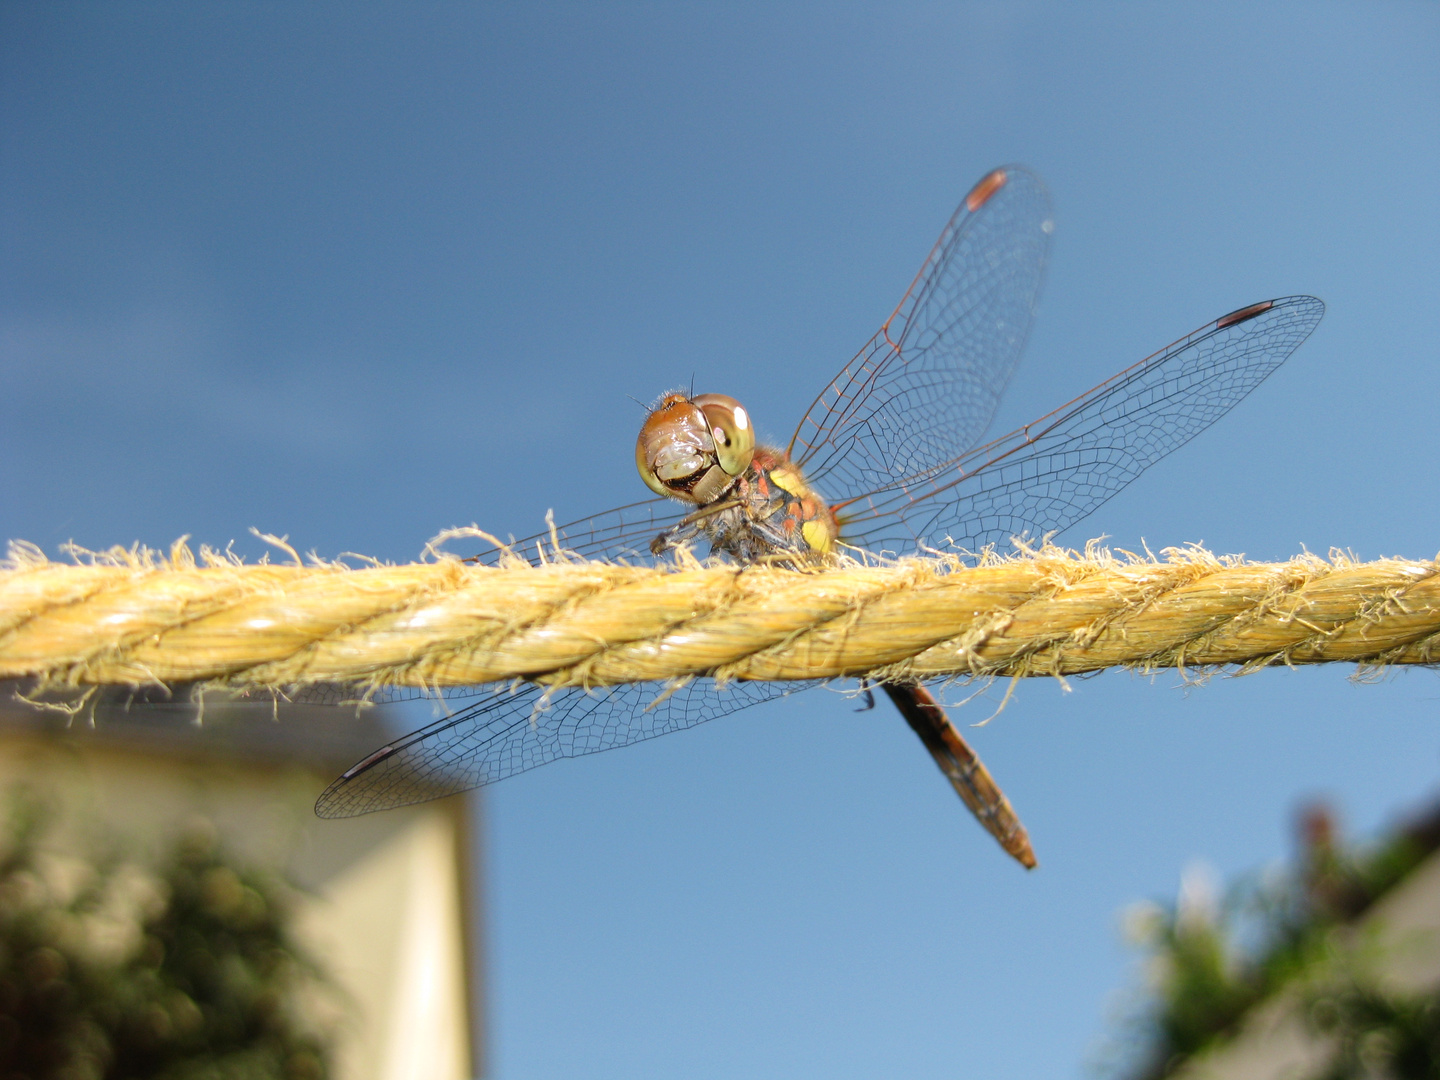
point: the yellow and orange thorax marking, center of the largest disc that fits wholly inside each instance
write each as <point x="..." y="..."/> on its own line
<point x="785" y="511"/>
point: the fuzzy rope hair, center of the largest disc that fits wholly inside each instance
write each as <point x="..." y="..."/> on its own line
<point x="136" y="617"/>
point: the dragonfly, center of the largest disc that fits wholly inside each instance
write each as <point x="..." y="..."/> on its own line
<point x="888" y="460"/>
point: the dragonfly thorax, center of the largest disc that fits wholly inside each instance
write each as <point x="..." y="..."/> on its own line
<point x="772" y="511"/>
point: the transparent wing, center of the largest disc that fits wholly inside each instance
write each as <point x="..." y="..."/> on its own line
<point x="620" y="534"/>
<point x="339" y="693"/>
<point x="925" y="388"/>
<point x="516" y="730"/>
<point x="1051" y="473"/>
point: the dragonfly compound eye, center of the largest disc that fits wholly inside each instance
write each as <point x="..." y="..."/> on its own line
<point x="647" y="474"/>
<point x="730" y="427"/>
<point x="675" y="452"/>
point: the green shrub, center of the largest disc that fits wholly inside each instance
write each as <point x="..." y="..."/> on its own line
<point x="181" y="970"/>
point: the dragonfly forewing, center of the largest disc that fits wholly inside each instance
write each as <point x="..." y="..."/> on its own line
<point x="620" y="535"/>
<point x="926" y="386"/>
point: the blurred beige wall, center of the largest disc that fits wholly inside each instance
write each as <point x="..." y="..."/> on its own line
<point x="389" y="898"/>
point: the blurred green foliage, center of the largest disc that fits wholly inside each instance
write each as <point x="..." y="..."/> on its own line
<point x="182" y="969"/>
<point x="1377" y="1034"/>
<point x="1212" y="959"/>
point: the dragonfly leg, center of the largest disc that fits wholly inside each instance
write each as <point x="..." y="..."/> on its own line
<point x="673" y="537"/>
<point x="867" y="695"/>
<point x="965" y="771"/>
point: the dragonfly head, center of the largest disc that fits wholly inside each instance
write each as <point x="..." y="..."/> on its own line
<point x="693" y="448"/>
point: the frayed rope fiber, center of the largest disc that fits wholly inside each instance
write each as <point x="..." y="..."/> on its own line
<point x="137" y="617"/>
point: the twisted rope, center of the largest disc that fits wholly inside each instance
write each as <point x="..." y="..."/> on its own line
<point x="136" y="617"/>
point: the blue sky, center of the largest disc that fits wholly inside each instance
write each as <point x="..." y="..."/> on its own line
<point x="356" y="273"/>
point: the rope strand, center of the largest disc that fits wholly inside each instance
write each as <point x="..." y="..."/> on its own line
<point x="135" y="617"/>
